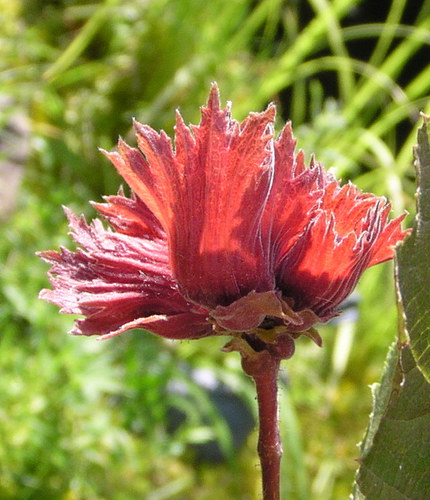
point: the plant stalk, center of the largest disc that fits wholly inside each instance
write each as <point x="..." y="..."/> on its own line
<point x="261" y="360"/>
<point x="265" y="375"/>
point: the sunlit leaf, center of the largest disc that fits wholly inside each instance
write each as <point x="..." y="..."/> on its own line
<point x="396" y="466"/>
<point x="395" y="454"/>
<point x="413" y="271"/>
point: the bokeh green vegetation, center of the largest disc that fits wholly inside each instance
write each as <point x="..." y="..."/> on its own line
<point x="82" y="419"/>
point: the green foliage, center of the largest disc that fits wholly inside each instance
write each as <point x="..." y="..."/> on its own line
<point x="80" y="419"/>
<point x="413" y="278"/>
<point x="395" y="452"/>
<point x="396" y="457"/>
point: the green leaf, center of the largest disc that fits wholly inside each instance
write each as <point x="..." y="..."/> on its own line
<point x="381" y="396"/>
<point x="397" y="465"/>
<point x="395" y="453"/>
<point x="413" y="269"/>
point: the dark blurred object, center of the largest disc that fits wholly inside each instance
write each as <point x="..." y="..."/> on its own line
<point x="226" y="403"/>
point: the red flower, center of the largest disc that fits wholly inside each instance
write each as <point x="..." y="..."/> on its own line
<point x="227" y="232"/>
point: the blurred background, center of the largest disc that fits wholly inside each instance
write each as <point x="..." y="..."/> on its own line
<point x="138" y="417"/>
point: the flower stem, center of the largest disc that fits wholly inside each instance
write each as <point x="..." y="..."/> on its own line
<point x="261" y="360"/>
<point x="265" y="375"/>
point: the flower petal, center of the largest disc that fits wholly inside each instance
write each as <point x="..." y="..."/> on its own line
<point x="384" y="248"/>
<point x="120" y="282"/>
<point x="348" y="235"/>
<point x="293" y="197"/>
<point x="209" y="195"/>
<point x="130" y="216"/>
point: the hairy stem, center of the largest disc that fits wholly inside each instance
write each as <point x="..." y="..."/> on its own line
<point x="261" y="360"/>
<point x="265" y="375"/>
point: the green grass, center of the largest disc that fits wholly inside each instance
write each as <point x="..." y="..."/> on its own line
<point x="80" y="419"/>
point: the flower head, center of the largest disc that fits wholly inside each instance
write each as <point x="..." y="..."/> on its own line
<point x="227" y="231"/>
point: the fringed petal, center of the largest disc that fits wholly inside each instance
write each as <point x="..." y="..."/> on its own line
<point x="392" y="234"/>
<point x="209" y="195"/>
<point x="118" y="282"/>
<point x="346" y="237"/>
<point x="293" y="199"/>
<point x="130" y="216"/>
